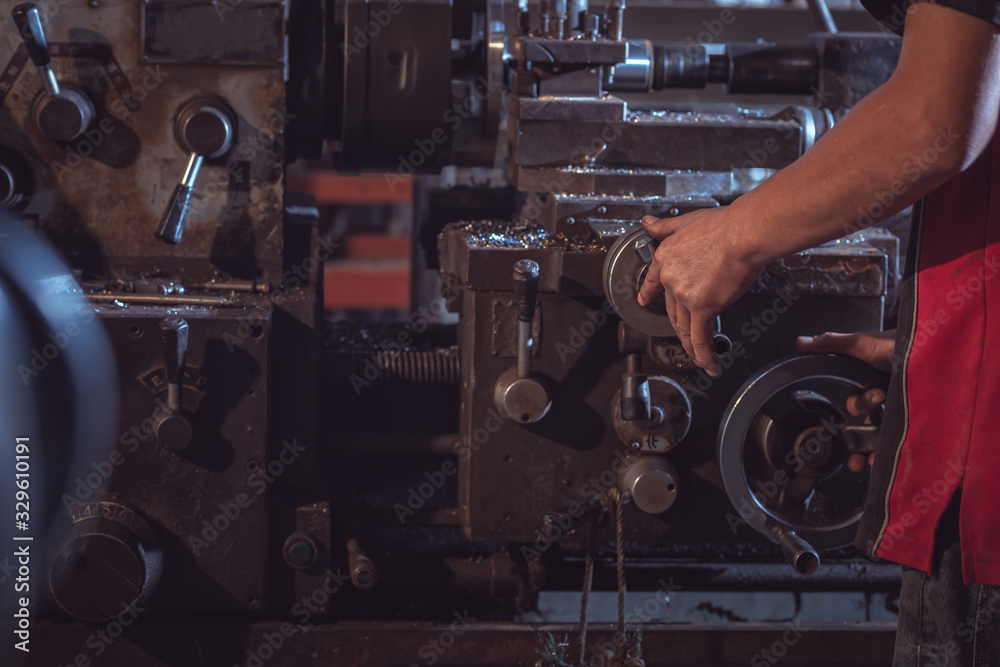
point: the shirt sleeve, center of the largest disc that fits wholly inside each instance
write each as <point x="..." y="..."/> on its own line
<point x="892" y="13"/>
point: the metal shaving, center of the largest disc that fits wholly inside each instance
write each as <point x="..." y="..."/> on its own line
<point x="506" y="234"/>
<point x="627" y="653"/>
<point x="552" y="652"/>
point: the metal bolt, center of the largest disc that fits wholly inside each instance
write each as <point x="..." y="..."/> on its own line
<point x="674" y="212"/>
<point x="571" y="221"/>
<point x="602" y="209"/>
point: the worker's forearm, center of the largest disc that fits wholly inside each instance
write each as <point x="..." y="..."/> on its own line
<point x="863" y="170"/>
<point x="932" y="119"/>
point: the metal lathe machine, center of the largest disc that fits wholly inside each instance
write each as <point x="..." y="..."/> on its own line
<point x="218" y="475"/>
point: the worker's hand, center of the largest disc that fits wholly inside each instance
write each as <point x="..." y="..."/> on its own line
<point x="699" y="269"/>
<point x="876" y="349"/>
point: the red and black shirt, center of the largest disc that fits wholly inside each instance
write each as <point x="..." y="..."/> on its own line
<point x="941" y="433"/>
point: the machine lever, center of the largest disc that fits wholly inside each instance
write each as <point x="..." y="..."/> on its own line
<point x="29" y="24"/>
<point x="635" y="400"/>
<point x="171" y="226"/>
<point x="172" y="427"/>
<point x="65" y="112"/>
<point x="174" y="332"/>
<point x="205" y="130"/>
<point x="526" y="294"/>
<point x="522" y="396"/>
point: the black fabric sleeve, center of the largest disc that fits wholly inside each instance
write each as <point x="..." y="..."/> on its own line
<point x="892" y="13"/>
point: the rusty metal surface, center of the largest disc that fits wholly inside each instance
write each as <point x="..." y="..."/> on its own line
<point x="100" y="198"/>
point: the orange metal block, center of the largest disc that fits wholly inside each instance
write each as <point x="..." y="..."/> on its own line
<point x="365" y="284"/>
<point x="361" y="246"/>
<point x="329" y="187"/>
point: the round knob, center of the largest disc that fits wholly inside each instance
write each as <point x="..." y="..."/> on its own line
<point x="109" y="561"/>
<point x="300" y="551"/>
<point x="64" y="117"/>
<point x="523" y="399"/>
<point x="174" y="432"/>
<point x="651" y="482"/>
<point x="206" y="128"/>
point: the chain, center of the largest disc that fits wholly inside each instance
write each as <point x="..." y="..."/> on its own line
<point x="588" y="580"/>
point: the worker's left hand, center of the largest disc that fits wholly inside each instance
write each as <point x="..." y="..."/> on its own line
<point x="700" y="270"/>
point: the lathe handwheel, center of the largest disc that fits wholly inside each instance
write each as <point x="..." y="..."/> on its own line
<point x="783" y="463"/>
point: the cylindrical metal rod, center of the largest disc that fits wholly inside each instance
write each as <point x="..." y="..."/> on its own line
<point x="799" y="553"/>
<point x="526" y="294"/>
<point x="821" y="14"/>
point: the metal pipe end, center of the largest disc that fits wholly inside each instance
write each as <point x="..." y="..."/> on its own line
<point x="799" y="553"/>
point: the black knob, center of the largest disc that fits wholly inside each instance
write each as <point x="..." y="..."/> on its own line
<point x="109" y="560"/>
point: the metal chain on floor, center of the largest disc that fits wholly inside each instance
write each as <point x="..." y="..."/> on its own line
<point x="628" y="645"/>
<point x="588" y="580"/>
<point x="616" y="498"/>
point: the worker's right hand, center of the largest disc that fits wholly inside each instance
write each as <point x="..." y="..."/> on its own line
<point x="876" y="349"/>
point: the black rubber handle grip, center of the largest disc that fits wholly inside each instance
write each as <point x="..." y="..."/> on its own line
<point x="171" y="227"/>
<point x="29" y="25"/>
<point x="526" y="288"/>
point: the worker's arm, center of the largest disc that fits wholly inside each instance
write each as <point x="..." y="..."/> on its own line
<point x="931" y="120"/>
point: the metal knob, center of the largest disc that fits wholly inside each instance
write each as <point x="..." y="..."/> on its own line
<point x="63" y="113"/>
<point x="651" y="483"/>
<point x="110" y="563"/>
<point x="205" y="130"/>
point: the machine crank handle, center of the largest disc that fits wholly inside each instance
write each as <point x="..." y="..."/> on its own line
<point x="29" y="25"/>
<point x="171" y="226"/>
